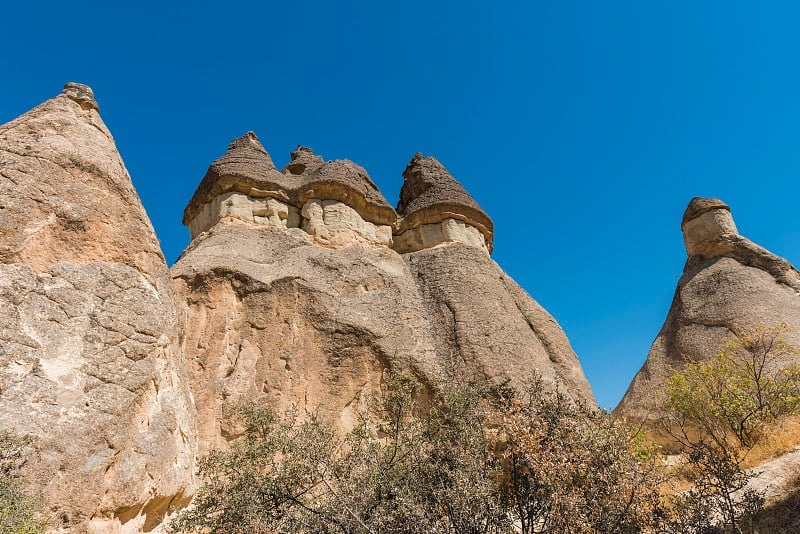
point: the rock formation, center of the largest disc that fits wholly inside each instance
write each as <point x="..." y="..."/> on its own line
<point x="89" y="354"/>
<point x="244" y="184"/>
<point x="729" y="283"/>
<point x="316" y="305"/>
<point x="435" y="208"/>
<point x="301" y="286"/>
<point x="480" y="317"/>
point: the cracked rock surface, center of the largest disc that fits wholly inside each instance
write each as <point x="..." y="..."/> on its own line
<point x="122" y="369"/>
<point x="485" y="324"/>
<point x="295" y="324"/>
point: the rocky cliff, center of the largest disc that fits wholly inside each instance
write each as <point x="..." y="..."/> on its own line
<point x="301" y="286"/>
<point x="729" y="283"/>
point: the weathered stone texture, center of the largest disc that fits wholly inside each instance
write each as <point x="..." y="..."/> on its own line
<point x="247" y="168"/>
<point x="301" y="287"/>
<point x="431" y="195"/>
<point x="429" y="235"/>
<point x="66" y="195"/>
<point x="311" y="312"/>
<point x="295" y="323"/>
<point x="488" y="326"/>
<point x="335" y="223"/>
<point x="89" y="354"/>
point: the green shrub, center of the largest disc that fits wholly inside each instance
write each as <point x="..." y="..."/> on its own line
<point x="456" y="465"/>
<point x="717" y="411"/>
<point x="752" y="383"/>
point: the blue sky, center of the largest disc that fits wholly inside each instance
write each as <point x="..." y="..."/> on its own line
<point x="582" y="127"/>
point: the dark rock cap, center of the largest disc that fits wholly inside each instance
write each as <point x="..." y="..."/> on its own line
<point x="82" y="94"/>
<point x="430" y="194"/>
<point x="247" y="168"/>
<point x="699" y="205"/>
<point x="340" y="180"/>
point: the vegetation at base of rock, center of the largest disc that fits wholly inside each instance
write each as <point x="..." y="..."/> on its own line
<point x="18" y="509"/>
<point x="574" y="470"/>
<point x="469" y="460"/>
<point x="717" y="411"/>
<point x="753" y="382"/>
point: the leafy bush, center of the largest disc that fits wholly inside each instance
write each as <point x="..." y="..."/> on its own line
<point x="718" y="411"/>
<point x="576" y="470"/>
<point x="753" y="382"/>
<point x="471" y="461"/>
<point x="395" y="472"/>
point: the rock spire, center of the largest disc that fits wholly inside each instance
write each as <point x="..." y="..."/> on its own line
<point x="301" y="287"/>
<point x="431" y="196"/>
<point x="90" y="362"/>
<point x="729" y="283"/>
<point x="244" y="185"/>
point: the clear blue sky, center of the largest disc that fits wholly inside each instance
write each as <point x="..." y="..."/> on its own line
<point x="582" y="128"/>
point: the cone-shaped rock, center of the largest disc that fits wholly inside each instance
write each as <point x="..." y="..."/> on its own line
<point x="246" y="168"/>
<point x="430" y="195"/>
<point x="488" y="326"/>
<point x="729" y="283"/>
<point x="89" y="355"/>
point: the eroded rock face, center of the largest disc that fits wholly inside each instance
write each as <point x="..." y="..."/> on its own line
<point x="295" y="323"/>
<point x="312" y="314"/>
<point x="265" y="211"/>
<point x="333" y="222"/>
<point x="429" y="235"/>
<point x="729" y="283"/>
<point x="90" y="361"/>
<point x="489" y="325"/>
<point x="298" y="324"/>
<point x="245" y="175"/>
<point x="292" y="291"/>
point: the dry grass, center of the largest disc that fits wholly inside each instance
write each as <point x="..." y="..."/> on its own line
<point x="776" y="441"/>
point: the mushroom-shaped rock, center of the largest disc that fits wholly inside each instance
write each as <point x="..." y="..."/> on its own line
<point x="435" y="208"/>
<point x="245" y="184"/>
<point x="729" y="284"/>
<point x="709" y="232"/>
<point x="343" y="181"/>
<point x="705" y="221"/>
